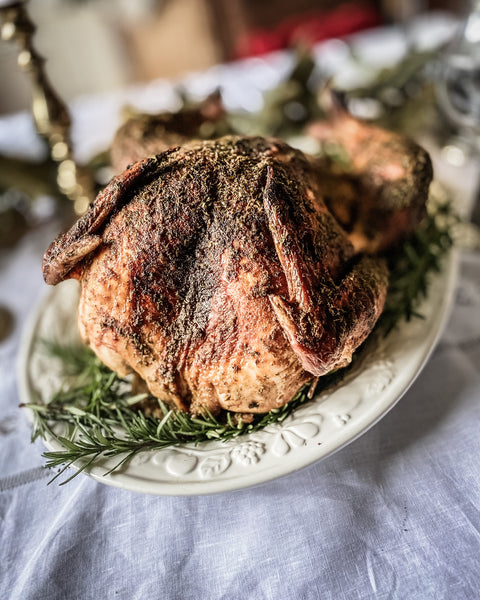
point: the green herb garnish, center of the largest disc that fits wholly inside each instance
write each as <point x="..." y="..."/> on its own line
<point x="412" y="263"/>
<point x="102" y="418"/>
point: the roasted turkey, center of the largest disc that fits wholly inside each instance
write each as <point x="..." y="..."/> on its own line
<point x="217" y="274"/>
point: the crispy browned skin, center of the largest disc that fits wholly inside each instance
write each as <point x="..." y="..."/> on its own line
<point x="217" y="274"/>
<point x="146" y="135"/>
<point x="379" y="197"/>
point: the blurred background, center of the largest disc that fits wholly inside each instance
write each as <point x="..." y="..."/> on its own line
<point x="102" y="45"/>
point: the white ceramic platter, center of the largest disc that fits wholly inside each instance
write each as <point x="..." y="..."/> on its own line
<point x="334" y="418"/>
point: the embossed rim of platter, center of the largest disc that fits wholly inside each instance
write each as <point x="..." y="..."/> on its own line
<point x="336" y="417"/>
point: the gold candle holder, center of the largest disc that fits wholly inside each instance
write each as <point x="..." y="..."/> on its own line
<point x="51" y="116"/>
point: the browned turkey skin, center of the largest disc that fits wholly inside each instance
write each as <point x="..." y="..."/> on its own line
<point x="379" y="196"/>
<point x="216" y="273"/>
<point x="147" y="135"/>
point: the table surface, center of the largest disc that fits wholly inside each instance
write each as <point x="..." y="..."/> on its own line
<point x="393" y="515"/>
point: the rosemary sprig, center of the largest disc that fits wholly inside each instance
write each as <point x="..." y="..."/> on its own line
<point x="412" y="263"/>
<point x="101" y="418"/>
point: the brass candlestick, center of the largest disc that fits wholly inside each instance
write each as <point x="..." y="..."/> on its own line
<point x="51" y="117"/>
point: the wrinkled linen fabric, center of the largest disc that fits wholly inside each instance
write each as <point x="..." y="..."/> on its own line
<point x="393" y="515"/>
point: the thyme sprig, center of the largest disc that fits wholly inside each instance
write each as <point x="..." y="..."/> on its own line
<point x="100" y="418"/>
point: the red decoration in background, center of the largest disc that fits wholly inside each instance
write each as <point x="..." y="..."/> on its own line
<point x="309" y="28"/>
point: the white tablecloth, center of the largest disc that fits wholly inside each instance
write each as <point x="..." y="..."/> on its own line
<point x="393" y="515"/>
